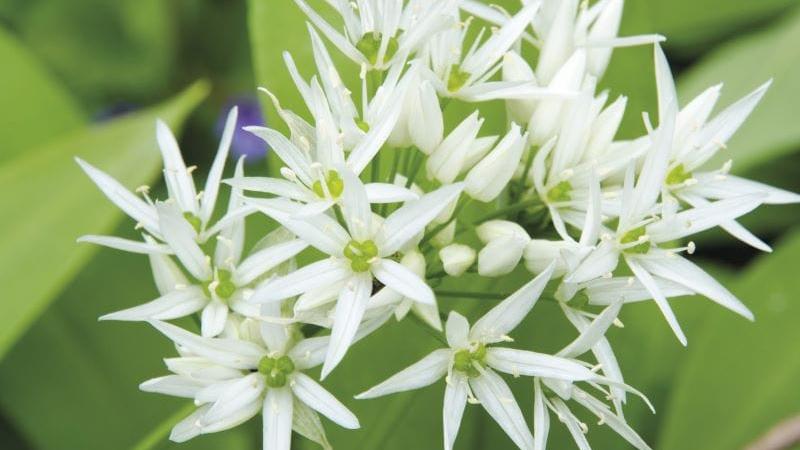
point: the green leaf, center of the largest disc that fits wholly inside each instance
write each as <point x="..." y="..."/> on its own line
<point x="35" y="107"/>
<point x="71" y="382"/>
<point x="102" y="50"/>
<point x="744" y="64"/>
<point x="49" y="202"/>
<point x="687" y="23"/>
<point x="741" y="378"/>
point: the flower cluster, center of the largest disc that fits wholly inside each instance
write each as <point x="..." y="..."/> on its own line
<point x="375" y="205"/>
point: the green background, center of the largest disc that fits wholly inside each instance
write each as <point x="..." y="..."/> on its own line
<point x="69" y="382"/>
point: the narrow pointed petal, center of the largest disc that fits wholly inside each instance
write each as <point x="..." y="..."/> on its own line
<point x="265" y="260"/>
<point x="533" y="364"/>
<point x="455" y="400"/>
<point x="188" y="428"/>
<point x="401" y="279"/>
<point x="613" y="421"/>
<point x="602" y="260"/>
<point x="320" y="231"/>
<point x="180" y="237"/>
<point x="274" y="186"/>
<point x="413" y="217"/>
<point x="457" y="330"/>
<point x="239" y="394"/>
<point x="647" y="280"/>
<point x="209" y="199"/>
<point x="213" y="318"/>
<point x="126" y="245"/>
<point x="174" y="385"/>
<point x="388" y="193"/>
<point x="129" y="203"/>
<point x="702" y="218"/>
<point x="541" y="418"/>
<point x="495" y="325"/>
<point x="315" y="396"/>
<point x="355" y="206"/>
<point x="346" y="318"/>
<point x="277" y="419"/>
<point x="593" y="333"/>
<point x="227" y="352"/>
<point x="292" y="156"/>
<point x="682" y="271"/>
<point x="178" y="179"/>
<point x="316" y="275"/>
<point x="716" y="186"/>
<point x="498" y="400"/>
<point x="574" y="426"/>
<point x="418" y="375"/>
<point x="173" y="305"/>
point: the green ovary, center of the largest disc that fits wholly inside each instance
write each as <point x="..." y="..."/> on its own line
<point x="333" y="182"/>
<point x="360" y="254"/>
<point x="457" y="79"/>
<point x="560" y="192"/>
<point x="275" y="370"/>
<point x="370" y="45"/>
<point x="465" y="360"/>
<point x="678" y="175"/>
<point x="193" y="220"/>
<point x="633" y="236"/>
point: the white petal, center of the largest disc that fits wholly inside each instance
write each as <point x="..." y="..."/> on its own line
<point x="684" y="272"/>
<point x="604" y="259"/>
<point x="369" y="146"/>
<point x="664" y="82"/>
<point x="613" y="421"/>
<point x="500" y="256"/>
<point x="495" y="325"/>
<point x="455" y="400"/>
<point x="413" y="217"/>
<point x="319" y="231"/>
<point x="315" y="396"/>
<point x="533" y="364"/>
<point x="188" y="428"/>
<point x="181" y="237"/>
<point x="499" y="402"/>
<point x="265" y="260"/>
<point x="174" y="385"/>
<point x="346" y="318"/>
<point x="388" y="193"/>
<point x="132" y="205"/>
<point x="166" y="274"/>
<point x="574" y="426"/>
<point x="178" y="179"/>
<point x="355" y="206"/>
<point x="293" y="157"/>
<point x="323" y="273"/>
<point x="541" y="418"/>
<point x="237" y="395"/>
<point x="209" y="199"/>
<point x="491" y="175"/>
<point x="418" y="375"/>
<point x="227" y="352"/>
<point x="593" y="333"/>
<point x="172" y="305"/>
<point x="457" y="330"/>
<point x="716" y="186"/>
<point x="277" y="417"/>
<point x="702" y="218"/>
<point x="457" y="258"/>
<point x="126" y="245"/>
<point x="647" y="280"/>
<point x="275" y="186"/>
<point x="403" y="280"/>
<point x="213" y="319"/>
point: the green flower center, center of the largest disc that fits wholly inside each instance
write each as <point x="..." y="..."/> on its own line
<point x="224" y="287"/>
<point x="193" y="220"/>
<point x="360" y="254"/>
<point x="333" y="182"/>
<point x="363" y="126"/>
<point x="678" y="175"/>
<point x="457" y="79"/>
<point x="633" y="236"/>
<point x="370" y="45"/>
<point x="276" y="370"/>
<point x="560" y="192"/>
<point x="465" y="360"/>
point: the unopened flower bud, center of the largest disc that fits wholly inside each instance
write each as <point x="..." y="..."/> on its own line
<point x="457" y="258"/>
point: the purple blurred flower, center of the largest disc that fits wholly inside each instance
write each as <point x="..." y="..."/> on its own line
<point x="244" y="143"/>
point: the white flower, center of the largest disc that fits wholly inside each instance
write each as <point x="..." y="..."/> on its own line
<point x="470" y="362"/>
<point x="377" y="34"/>
<point x="357" y="255"/>
<point x="233" y="379"/>
<point x="491" y="175"/>
<point x="697" y="140"/>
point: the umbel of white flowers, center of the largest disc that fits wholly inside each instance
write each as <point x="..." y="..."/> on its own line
<point x="377" y="203"/>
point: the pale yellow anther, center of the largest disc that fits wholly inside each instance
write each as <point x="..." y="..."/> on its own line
<point x="191" y="169"/>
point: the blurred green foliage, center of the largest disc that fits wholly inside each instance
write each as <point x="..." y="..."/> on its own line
<point x="68" y="382"/>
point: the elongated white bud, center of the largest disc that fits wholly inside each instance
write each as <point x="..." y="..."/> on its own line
<point x="425" y="121"/>
<point x="457" y="258"/>
<point x="516" y="69"/>
<point x="490" y="176"/>
<point x="448" y="159"/>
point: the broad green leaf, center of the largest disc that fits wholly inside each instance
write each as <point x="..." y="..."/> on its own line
<point x="49" y="202"/>
<point x="744" y="64"/>
<point x="688" y="23"/>
<point x="72" y="382"/>
<point x="35" y="107"/>
<point x="102" y="50"/>
<point x="741" y="378"/>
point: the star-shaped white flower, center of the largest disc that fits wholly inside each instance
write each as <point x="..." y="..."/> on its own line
<point x="360" y="253"/>
<point x="471" y="362"/>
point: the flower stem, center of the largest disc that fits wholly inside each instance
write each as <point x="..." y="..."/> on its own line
<point x="159" y="433"/>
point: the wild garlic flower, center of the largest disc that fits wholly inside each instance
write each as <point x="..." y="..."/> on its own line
<point x="470" y="363"/>
<point x="232" y="379"/>
<point x="378" y="34"/>
<point x="359" y="254"/>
